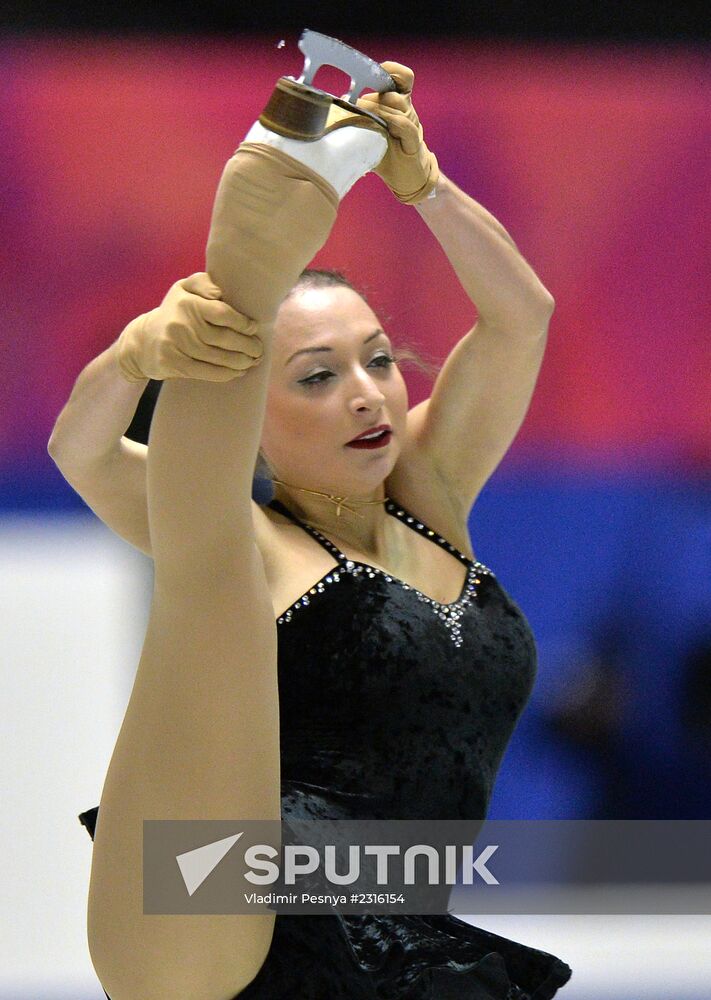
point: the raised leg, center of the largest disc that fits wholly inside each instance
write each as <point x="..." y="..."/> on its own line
<point x="200" y="738"/>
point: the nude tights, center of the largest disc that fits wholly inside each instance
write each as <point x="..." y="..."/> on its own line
<point x="200" y="737"/>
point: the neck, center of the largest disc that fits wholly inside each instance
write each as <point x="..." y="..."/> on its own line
<point x="359" y="520"/>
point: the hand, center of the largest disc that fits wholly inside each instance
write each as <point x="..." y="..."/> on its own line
<point x="191" y="334"/>
<point x="409" y="169"/>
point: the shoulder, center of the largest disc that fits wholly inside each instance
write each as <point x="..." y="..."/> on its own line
<point x="417" y="485"/>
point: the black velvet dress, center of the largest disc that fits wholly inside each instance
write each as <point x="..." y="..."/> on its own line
<point x="394" y="706"/>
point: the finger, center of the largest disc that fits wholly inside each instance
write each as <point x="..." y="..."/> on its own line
<point x="369" y="102"/>
<point x="221" y="338"/>
<point x="205" y="372"/>
<point x="222" y="314"/>
<point x="402" y="75"/>
<point x="400" y="127"/>
<point x="201" y="284"/>
<point x="398" y="102"/>
<point x="224" y="358"/>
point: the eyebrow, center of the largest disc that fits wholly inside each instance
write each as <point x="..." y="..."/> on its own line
<point x="319" y="350"/>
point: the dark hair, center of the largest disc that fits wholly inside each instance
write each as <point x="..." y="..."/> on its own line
<point x="324" y="277"/>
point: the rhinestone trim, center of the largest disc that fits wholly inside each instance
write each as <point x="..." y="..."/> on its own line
<point x="448" y="614"/>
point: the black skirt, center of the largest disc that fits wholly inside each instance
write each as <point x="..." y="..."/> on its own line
<point x="400" y="957"/>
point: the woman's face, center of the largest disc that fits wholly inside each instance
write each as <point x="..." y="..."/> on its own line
<point x="318" y="400"/>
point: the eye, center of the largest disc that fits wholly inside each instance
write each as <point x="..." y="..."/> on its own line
<point x="316" y="379"/>
<point x="384" y="361"/>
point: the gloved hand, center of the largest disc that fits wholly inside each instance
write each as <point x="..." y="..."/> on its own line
<point x="191" y="334"/>
<point x="408" y="168"/>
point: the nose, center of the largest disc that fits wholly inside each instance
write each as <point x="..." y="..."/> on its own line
<point x="367" y="395"/>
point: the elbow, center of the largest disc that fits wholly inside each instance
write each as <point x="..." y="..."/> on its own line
<point x="540" y="313"/>
<point x="534" y="316"/>
<point x="57" y="439"/>
<point x="53" y="447"/>
<point x="65" y="452"/>
<point x="545" y="303"/>
<point x="57" y="450"/>
<point x="532" y="313"/>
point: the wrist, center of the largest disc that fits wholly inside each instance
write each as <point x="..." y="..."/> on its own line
<point x="437" y="199"/>
<point x="429" y="177"/>
<point x="124" y="351"/>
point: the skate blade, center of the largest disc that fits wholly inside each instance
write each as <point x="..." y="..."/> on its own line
<point x="322" y="50"/>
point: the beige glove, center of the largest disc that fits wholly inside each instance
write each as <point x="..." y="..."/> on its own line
<point x="408" y="168"/>
<point x="191" y="334"/>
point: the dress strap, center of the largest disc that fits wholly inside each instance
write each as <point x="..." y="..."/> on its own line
<point x="397" y="510"/>
<point x="321" y="539"/>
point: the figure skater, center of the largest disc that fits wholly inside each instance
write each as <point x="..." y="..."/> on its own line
<point x="338" y="651"/>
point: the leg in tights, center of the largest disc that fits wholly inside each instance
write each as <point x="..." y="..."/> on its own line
<point x="200" y="738"/>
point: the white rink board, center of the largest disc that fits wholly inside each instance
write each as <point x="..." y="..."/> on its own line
<point x="73" y="609"/>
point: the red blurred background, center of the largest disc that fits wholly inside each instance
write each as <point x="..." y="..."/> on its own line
<point x="592" y="157"/>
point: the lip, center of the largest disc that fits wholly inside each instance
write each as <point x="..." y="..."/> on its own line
<point x="370" y="430"/>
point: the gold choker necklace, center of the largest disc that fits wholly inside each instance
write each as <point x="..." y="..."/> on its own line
<point x="340" y="502"/>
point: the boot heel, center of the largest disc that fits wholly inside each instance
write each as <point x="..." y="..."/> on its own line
<point x="296" y="111"/>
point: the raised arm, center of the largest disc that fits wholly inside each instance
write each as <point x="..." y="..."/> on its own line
<point x="483" y="391"/>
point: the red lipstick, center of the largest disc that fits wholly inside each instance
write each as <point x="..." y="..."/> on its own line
<point x="374" y="437"/>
